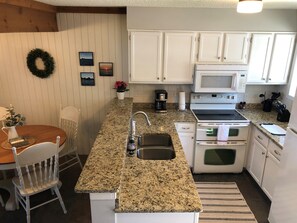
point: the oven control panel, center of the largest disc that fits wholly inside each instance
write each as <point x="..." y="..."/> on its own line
<point x="217" y="98"/>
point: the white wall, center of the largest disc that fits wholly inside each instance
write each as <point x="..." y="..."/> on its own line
<point x="39" y="99"/>
<point x="200" y="19"/>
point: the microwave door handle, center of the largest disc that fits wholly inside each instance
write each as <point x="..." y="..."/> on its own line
<point x="235" y="81"/>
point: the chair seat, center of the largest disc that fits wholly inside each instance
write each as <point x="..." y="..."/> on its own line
<point x="28" y="190"/>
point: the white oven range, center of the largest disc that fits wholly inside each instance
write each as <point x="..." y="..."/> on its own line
<point x="221" y="133"/>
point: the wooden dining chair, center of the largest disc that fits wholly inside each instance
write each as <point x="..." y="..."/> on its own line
<point x="69" y="122"/>
<point x="38" y="170"/>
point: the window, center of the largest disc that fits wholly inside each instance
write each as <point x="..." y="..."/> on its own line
<point x="293" y="83"/>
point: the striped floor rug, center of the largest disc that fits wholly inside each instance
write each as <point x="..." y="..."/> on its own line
<point x="223" y="203"/>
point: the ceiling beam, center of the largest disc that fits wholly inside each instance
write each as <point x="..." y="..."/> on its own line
<point x="27" y="16"/>
<point x="31" y="5"/>
<point x="104" y="10"/>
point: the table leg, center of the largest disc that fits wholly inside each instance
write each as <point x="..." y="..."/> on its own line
<point x="8" y="185"/>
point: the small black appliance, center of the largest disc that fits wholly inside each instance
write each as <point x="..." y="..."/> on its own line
<point x="160" y="100"/>
<point x="283" y="114"/>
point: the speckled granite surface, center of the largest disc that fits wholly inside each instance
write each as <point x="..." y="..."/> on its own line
<point x="159" y="185"/>
<point x="141" y="185"/>
<point x="104" y="165"/>
<point x="257" y="116"/>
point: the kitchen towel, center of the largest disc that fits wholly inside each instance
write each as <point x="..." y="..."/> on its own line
<point x="223" y="132"/>
<point x="182" y="101"/>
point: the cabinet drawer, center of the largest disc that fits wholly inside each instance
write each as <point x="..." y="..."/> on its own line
<point x="261" y="137"/>
<point x="185" y="127"/>
<point x="275" y="150"/>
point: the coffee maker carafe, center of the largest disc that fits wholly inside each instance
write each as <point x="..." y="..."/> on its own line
<point x="160" y="100"/>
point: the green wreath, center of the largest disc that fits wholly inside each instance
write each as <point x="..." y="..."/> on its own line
<point x="48" y="61"/>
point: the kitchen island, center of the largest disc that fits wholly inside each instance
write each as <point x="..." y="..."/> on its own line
<point x="125" y="189"/>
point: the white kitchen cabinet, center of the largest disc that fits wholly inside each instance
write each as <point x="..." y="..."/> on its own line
<point x="258" y="157"/>
<point x="162" y="57"/>
<point x="270" y="175"/>
<point x="281" y="58"/>
<point x="146" y="57"/>
<point x="270" y="58"/>
<point x="260" y="53"/>
<point x="186" y="134"/>
<point x="263" y="161"/>
<point x="223" y="48"/>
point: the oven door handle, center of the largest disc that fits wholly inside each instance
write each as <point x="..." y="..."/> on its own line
<point x="202" y="143"/>
<point x="230" y="124"/>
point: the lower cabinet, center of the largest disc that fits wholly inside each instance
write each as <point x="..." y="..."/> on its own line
<point x="263" y="161"/>
<point x="186" y="133"/>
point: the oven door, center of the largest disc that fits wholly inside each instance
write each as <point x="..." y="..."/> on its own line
<point x="209" y="131"/>
<point x="214" y="157"/>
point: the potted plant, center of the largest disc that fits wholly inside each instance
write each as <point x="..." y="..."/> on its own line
<point x="121" y="87"/>
<point x="11" y="121"/>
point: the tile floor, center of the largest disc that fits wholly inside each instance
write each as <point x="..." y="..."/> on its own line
<point x="78" y="205"/>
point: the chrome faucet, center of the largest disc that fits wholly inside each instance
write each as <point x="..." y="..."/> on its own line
<point x="133" y="123"/>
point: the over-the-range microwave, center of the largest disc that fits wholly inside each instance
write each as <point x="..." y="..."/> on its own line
<point x="220" y="78"/>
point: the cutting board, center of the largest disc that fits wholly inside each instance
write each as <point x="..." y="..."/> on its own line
<point x="274" y="129"/>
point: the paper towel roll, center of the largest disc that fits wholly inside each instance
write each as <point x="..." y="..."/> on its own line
<point x="182" y="101"/>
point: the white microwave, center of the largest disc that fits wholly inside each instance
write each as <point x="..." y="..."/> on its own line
<point x="220" y="78"/>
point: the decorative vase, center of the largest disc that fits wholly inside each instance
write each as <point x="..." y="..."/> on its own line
<point x="11" y="132"/>
<point x="121" y="95"/>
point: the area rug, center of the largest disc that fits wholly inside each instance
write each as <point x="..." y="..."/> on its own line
<point x="222" y="202"/>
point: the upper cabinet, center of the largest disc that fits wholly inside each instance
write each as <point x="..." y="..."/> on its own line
<point x="162" y="57"/>
<point x="223" y="48"/>
<point x="270" y="58"/>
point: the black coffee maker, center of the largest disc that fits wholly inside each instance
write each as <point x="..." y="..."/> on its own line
<point x="160" y="100"/>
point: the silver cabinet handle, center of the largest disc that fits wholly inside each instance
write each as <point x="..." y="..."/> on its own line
<point x="263" y="153"/>
<point x="263" y="79"/>
<point x="259" y="137"/>
<point x="158" y="78"/>
<point x="225" y="58"/>
<point x="185" y="128"/>
<point x="219" y="58"/>
<point x="277" y="152"/>
<point x="270" y="79"/>
<point x="164" y="78"/>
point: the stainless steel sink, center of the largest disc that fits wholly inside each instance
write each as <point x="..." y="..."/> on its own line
<point x="155" y="147"/>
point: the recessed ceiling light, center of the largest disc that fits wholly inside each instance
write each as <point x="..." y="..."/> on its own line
<point x="249" y="6"/>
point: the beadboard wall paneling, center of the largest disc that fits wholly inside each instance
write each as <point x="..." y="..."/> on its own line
<point x="39" y="99"/>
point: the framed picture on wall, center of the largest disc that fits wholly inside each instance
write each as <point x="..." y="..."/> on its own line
<point x="86" y="59"/>
<point x="87" y="78"/>
<point x="105" y="69"/>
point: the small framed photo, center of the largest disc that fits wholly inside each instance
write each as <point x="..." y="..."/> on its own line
<point x="105" y="69"/>
<point x="86" y="59"/>
<point x="87" y="78"/>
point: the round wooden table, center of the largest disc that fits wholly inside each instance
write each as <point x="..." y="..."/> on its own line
<point x="40" y="133"/>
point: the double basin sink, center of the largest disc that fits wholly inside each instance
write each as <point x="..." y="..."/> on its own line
<point x="155" y="147"/>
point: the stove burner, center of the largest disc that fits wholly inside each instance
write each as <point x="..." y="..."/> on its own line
<point x="219" y="115"/>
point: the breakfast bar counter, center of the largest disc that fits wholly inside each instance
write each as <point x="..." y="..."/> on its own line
<point x="141" y="186"/>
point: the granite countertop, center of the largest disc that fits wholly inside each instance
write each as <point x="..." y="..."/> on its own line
<point x="257" y="116"/>
<point x="141" y="185"/>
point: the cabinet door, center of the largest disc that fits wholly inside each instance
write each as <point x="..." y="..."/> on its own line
<point x="145" y="57"/>
<point x="179" y="58"/>
<point x="259" y="57"/>
<point x="187" y="141"/>
<point x="281" y="58"/>
<point x="236" y="48"/>
<point x="270" y="175"/>
<point x="258" y="156"/>
<point x="210" y="47"/>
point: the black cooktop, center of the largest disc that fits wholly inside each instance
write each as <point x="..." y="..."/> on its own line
<point x="219" y="115"/>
